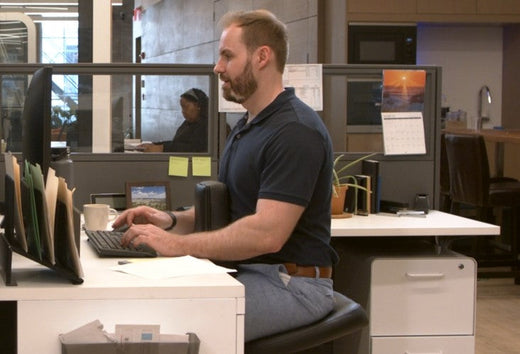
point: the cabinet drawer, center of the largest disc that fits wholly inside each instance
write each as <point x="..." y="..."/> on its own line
<point x="424" y="345"/>
<point x="422" y="296"/>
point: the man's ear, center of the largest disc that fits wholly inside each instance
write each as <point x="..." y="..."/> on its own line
<point x="264" y="56"/>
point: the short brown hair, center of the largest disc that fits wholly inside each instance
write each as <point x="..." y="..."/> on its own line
<point x="261" y="27"/>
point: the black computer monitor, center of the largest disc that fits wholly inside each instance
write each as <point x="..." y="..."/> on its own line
<point x="36" y="119"/>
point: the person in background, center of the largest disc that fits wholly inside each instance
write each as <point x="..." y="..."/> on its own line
<point x="192" y="134"/>
<point x="277" y="165"/>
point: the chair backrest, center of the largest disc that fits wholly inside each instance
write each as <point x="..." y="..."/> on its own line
<point x="211" y="206"/>
<point x="445" y="173"/>
<point x="469" y="169"/>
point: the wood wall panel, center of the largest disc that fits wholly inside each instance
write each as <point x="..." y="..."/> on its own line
<point x="446" y="7"/>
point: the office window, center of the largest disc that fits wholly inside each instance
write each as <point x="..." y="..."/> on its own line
<point x="145" y="109"/>
<point x="14" y="37"/>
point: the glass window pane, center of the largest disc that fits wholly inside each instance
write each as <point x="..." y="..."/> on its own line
<point x="59" y="42"/>
<point x="13" y="42"/>
<point x="169" y="113"/>
<point x="12" y="93"/>
<point x="13" y="49"/>
<point x="174" y="112"/>
<point x="147" y="108"/>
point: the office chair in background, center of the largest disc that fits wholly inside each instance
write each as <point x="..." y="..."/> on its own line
<point x="445" y="200"/>
<point x="496" y="200"/>
<point x="212" y="212"/>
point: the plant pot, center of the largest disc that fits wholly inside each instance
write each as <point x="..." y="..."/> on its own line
<point x="337" y="201"/>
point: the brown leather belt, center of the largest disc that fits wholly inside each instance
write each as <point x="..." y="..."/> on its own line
<point x="308" y="271"/>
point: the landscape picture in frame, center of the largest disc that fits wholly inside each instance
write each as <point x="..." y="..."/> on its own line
<point x="152" y="194"/>
<point x="403" y="90"/>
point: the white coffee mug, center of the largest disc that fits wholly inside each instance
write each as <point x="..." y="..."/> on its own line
<point x="97" y="216"/>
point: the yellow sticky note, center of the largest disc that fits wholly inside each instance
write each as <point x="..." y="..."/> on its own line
<point x="178" y="166"/>
<point x="201" y="166"/>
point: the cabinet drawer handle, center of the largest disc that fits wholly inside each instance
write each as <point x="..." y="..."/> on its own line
<point x="424" y="275"/>
<point x="407" y="352"/>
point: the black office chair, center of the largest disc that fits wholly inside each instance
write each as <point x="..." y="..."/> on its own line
<point x="211" y="205"/>
<point x="471" y="184"/>
<point x="445" y="200"/>
<point x="212" y="211"/>
<point x="347" y="317"/>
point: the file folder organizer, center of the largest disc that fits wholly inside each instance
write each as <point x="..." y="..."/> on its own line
<point x="9" y="243"/>
<point x="190" y="347"/>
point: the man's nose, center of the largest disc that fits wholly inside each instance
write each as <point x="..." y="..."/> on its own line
<point x="217" y="69"/>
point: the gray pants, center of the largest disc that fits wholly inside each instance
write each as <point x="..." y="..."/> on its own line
<point x="277" y="302"/>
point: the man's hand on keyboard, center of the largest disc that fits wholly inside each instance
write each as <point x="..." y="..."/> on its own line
<point x="143" y="215"/>
<point x="163" y="242"/>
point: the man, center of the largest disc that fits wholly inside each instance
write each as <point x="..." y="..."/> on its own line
<point x="277" y="165"/>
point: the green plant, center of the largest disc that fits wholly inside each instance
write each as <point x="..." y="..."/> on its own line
<point x="338" y="174"/>
<point x="61" y="117"/>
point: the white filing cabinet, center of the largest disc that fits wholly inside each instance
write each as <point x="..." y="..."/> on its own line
<point x="422" y="305"/>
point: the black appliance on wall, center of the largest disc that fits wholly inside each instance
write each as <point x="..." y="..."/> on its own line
<point x="370" y="43"/>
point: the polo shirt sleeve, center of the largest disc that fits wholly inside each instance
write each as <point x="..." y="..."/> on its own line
<point x="292" y="162"/>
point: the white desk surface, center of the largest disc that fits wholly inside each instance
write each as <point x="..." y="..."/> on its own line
<point x="435" y="223"/>
<point x="36" y="282"/>
<point x="212" y="306"/>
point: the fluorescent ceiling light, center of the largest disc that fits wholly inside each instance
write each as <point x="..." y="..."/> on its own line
<point x="55" y="3"/>
<point x="45" y="8"/>
<point x="52" y="14"/>
<point x="37" y="3"/>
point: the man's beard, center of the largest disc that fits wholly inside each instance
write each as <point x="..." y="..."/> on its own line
<point x="242" y="87"/>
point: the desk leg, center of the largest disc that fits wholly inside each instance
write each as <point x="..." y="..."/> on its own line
<point x="8" y="326"/>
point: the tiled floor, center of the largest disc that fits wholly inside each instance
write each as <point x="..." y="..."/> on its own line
<point x="498" y="317"/>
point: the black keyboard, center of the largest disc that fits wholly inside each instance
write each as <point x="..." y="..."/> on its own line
<point x="108" y="244"/>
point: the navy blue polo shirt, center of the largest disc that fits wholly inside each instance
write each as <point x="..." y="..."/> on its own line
<point x="284" y="154"/>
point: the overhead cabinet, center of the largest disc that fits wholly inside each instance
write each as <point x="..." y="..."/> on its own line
<point x="382" y="6"/>
<point x="501" y="7"/>
<point x="467" y="7"/>
<point x="483" y="11"/>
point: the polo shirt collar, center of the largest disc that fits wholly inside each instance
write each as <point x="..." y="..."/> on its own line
<point x="268" y="111"/>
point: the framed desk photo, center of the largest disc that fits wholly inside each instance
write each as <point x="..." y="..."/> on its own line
<point x="152" y="194"/>
<point x="114" y="200"/>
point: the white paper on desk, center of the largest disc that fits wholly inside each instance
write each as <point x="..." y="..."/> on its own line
<point x="169" y="267"/>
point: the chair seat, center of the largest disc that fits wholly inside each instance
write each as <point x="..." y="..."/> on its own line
<point x="346" y="317"/>
<point x="504" y="193"/>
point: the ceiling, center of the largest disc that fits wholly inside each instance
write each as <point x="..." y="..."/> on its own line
<point x="46" y="10"/>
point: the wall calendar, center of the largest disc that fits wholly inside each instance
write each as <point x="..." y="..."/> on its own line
<point x="401" y="112"/>
<point x="403" y="133"/>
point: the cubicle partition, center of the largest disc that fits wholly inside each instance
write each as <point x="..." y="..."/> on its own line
<point x="352" y="96"/>
<point x="96" y="108"/>
<point x="115" y="102"/>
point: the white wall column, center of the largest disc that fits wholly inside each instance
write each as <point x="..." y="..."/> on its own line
<point x="101" y="84"/>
